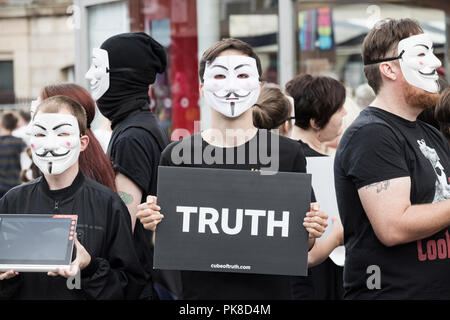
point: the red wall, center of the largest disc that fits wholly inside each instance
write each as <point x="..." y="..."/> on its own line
<point x="183" y="54"/>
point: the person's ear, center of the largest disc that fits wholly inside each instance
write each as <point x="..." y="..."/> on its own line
<point x="200" y="89"/>
<point x="313" y="124"/>
<point x="84" y="140"/>
<point x="389" y="70"/>
<point x="284" y="128"/>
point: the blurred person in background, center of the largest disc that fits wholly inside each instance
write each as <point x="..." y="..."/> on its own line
<point x="364" y="95"/>
<point x="10" y="149"/>
<point x="21" y="132"/>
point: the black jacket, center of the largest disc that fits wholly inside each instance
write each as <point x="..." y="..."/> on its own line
<point x="104" y="229"/>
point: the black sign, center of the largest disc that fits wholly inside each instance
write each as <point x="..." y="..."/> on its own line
<point x="232" y="221"/>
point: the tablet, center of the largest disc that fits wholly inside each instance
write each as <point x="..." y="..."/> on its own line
<point x="36" y="242"/>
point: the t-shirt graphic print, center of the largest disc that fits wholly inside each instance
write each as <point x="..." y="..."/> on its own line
<point x="442" y="186"/>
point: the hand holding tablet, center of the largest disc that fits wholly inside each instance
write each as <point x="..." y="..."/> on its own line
<point x="81" y="261"/>
<point x="36" y="243"/>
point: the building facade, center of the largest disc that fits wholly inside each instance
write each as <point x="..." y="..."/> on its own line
<point x="37" y="47"/>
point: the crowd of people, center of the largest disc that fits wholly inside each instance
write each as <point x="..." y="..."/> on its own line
<point x="390" y="170"/>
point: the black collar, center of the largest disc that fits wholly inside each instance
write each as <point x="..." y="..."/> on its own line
<point x="64" y="193"/>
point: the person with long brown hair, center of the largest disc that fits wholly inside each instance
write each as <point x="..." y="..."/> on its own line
<point x="93" y="161"/>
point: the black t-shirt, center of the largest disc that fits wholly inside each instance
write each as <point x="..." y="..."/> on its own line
<point x="381" y="146"/>
<point x="310" y="152"/>
<point x="135" y="149"/>
<point x="136" y="156"/>
<point x="227" y="285"/>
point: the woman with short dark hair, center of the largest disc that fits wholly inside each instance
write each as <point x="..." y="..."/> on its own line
<point x="319" y="109"/>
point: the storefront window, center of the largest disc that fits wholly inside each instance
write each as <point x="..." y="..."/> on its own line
<point x="186" y="28"/>
<point x="330" y="38"/>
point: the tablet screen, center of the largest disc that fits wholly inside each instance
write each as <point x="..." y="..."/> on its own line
<point x="36" y="239"/>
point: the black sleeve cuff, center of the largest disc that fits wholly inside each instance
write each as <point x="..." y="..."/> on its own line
<point x="90" y="269"/>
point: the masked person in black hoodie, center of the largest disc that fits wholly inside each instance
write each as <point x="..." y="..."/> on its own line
<point x="105" y="253"/>
<point x="122" y="70"/>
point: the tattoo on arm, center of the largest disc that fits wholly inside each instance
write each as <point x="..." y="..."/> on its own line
<point x="126" y="198"/>
<point x="383" y="185"/>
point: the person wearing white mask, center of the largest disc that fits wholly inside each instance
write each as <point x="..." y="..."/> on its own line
<point x="105" y="257"/>
<point x="392" y="174"/>
<point x="122" y="70"/>
<point x="229" y="74"/>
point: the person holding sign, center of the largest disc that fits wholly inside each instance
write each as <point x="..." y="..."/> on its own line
<point x="106" y="262"/>
<point x="229" y="73"/>
<point x="392" y="174"/>
<point x="274" y="112"/>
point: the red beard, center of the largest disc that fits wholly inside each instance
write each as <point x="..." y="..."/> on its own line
<point x="419" y="98"/>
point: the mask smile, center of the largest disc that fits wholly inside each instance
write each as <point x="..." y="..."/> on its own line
<point x="94" y="84"/>
<point x="432" y="73"/>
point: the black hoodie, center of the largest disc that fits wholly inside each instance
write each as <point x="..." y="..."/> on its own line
<point x="134" y="61"/>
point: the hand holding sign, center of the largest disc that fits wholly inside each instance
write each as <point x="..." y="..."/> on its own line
<point x="8" y="275"/>
<point x="148" y="213"/>
<point x="315" y="221"/>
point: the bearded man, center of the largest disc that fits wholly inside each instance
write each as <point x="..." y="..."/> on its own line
<point x="392" y="173"/>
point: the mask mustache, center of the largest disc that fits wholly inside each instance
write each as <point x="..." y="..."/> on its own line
<point x="54" y="154"/>
<point x="228" y="95"/>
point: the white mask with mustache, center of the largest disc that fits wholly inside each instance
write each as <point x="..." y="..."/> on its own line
<point x="231" y="84"/>
<point x="98" y="73"/>
<point x="55" y="142"/>
<point x="418" y="62"/>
